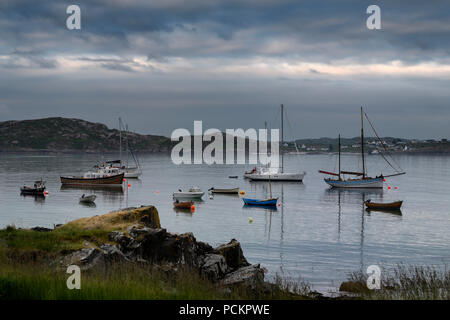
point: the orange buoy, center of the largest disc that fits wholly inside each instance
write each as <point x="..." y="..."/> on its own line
<point x="389" y="187"/>
<point x="129" y="185"/>
<point x="192" y="208"/>
<point x="242" y="192"/>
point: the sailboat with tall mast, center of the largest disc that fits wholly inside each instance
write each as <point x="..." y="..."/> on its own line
<point x="276" y="174"/>
<point x="129" y="171"/>
<point x="362" y="179"/>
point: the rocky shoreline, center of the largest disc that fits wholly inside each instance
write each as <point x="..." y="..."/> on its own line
<point x="144" y="242"/>
<point x="133" y="239"/>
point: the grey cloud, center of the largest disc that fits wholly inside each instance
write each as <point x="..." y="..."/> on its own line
<point x="33" y="34"/>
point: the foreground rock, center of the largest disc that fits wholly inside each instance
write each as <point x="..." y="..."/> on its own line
<point x="251" y="276"/>
<point x="139" y="238"/>
<point x="233" y="254"/>
<point x="145" y="216"/>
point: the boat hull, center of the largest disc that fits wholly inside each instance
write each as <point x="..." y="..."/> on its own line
<point x="188" y="195"/>
<point x="88" y="199"/>
<point x="257" y="202"/>
<point x="276" y="176"/>
<point x="225" y="191"/>
<point x="32" y="191"/>
<point x="80" y="181"/>
<point x="384" y="206"/>
<point x="133" y="173"/>
<point x="375" y="183"/>
<point x="183" y="205"/>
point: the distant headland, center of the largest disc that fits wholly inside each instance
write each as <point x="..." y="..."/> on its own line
<point x="59" y="134"/>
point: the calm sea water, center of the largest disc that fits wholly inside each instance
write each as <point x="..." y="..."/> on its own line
<point x="317" y="234"/>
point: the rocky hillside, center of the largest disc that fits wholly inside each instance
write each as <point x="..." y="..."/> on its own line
<point x="72" y="135"/>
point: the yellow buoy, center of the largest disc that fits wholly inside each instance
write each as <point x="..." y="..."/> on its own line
<point x="242" y="192"/>
<point x="250" y="220"/>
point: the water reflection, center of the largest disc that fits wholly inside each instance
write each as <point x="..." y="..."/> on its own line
<point x="265" y="208"/>
<point x="186" y="211"/>
<point x="356" y="198"/>
<point x="110" y="193"/>
<point x="39" y="199"/>
<point x="394" y="212"/>
<point x="88" y="204"/>
<point x="352" y="195"/>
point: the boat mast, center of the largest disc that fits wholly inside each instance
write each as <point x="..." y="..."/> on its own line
<point x="120" y="141"/>
<point x="126" y="139"/>
<point x="339" y="146"/>
<point x="282" y="138"/>
<point x="270" y="188"/>
<point x="362" y="145"/>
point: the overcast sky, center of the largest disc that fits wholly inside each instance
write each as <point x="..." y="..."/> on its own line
<point x="161" y="64"/>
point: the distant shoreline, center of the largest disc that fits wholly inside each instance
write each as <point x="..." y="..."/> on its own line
<point x="114" y="153"/>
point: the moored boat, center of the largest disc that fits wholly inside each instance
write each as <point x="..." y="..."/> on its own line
<point x="275" y="173"/>
<point x="396" y="205"/>
<point x="183" y="204"/>
<point x="88" y="199"/>
<point x="356" y="183"/>
<point x="225" y="191"/>
<point x="38" y="189"/>
<point x="272" y="202"/>
<point x="93" y="178"/>
<point x="362" y="180"/>
<point x="192" y="193"/>
<point x="120" y="165"/>
<point x="264" y="174"/>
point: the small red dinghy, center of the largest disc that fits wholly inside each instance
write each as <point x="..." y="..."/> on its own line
<point x="183" y="205"/>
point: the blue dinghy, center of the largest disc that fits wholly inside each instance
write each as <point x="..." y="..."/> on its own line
<point x="265" y="202"/>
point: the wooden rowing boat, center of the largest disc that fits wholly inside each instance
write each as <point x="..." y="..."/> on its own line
<point x="183" y="205"/>
<point x="222" y="190"/>
<point x="93" y="180"/>
<point x="383" y="206"/>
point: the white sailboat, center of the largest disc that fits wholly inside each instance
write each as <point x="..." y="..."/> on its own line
<point x="129" y="171"/>
<point x="275" y="174"/>
<point x="362" y="180"/>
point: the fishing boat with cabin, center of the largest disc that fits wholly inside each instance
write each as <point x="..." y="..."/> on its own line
<point x="362" y="180"/>
<point x="38" y="189"/>
<point x="93" y="179"/>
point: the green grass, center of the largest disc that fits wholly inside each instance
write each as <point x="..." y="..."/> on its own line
<point x="33" y="282"/>
<point x="28" y="271"/>
<point x="408" y="282"/>
<point x="63" y="239"/>
<point x="39" y="282"/>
